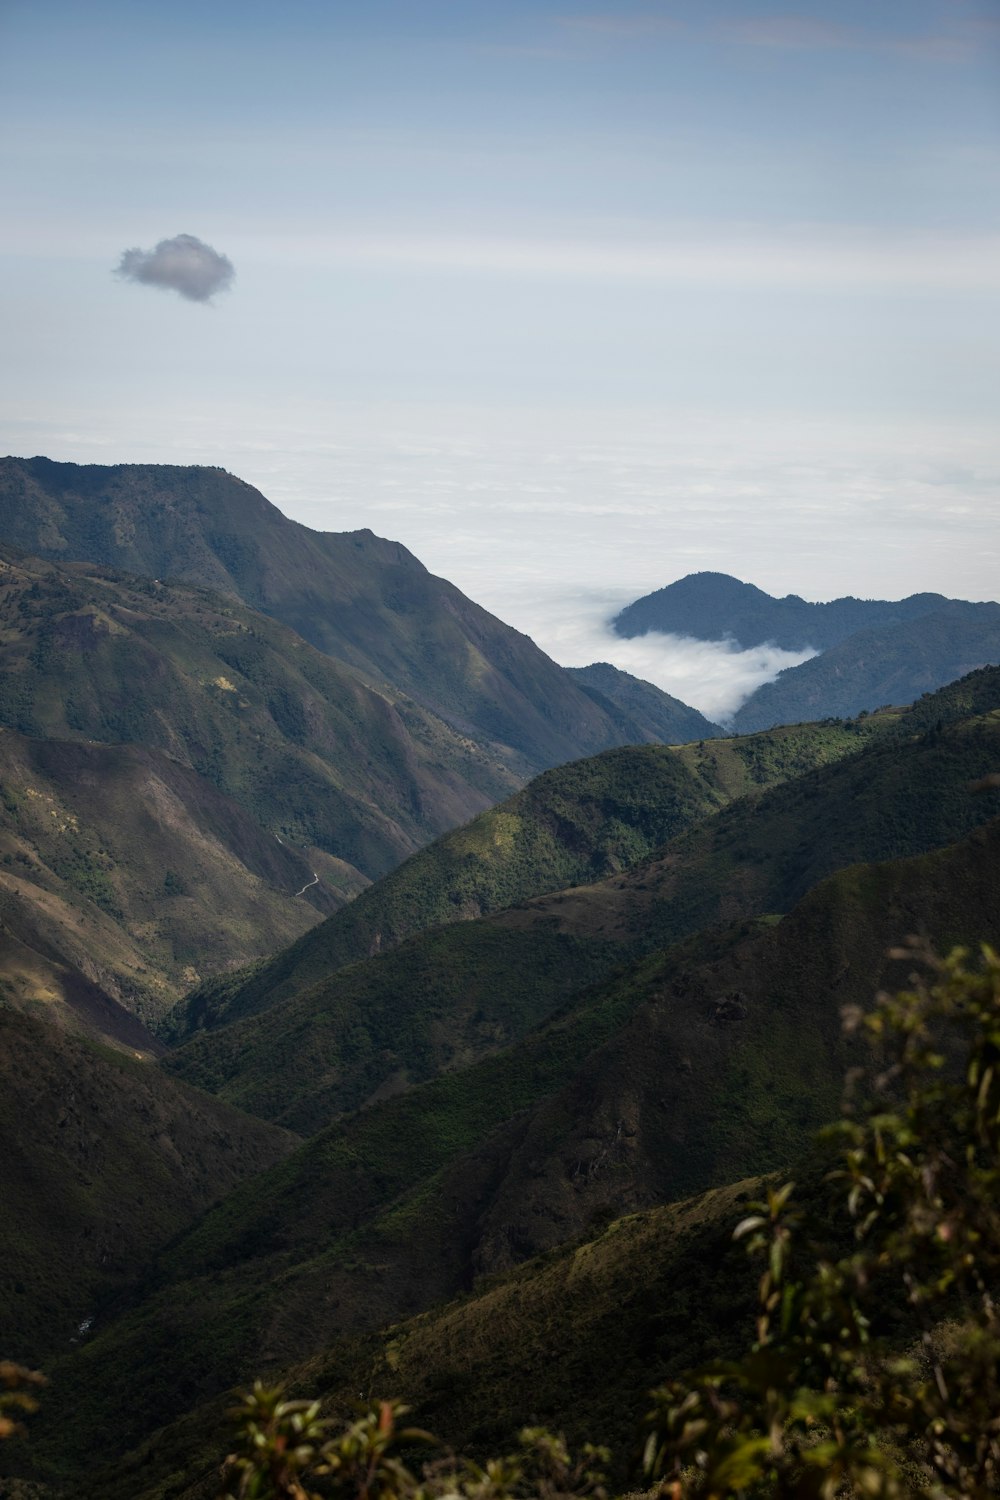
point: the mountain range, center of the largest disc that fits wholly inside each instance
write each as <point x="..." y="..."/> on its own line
<point x="870" y="652"/>
<point x="364" y="601"/>
<point x="427" y="1012"/>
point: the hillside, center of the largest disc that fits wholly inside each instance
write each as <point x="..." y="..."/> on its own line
<point x="457" y="992"/>
<point x="123" y="874"/>
<point x="704" y="1064"/>
<point x="716" y="607"/>
<point x="298" y="739"/>
<point x="104" y="1160"/>
<point x="185" y="784"/>
<point x="570" y="826"/>
<point x="877" y="665"/>
<point x="366" y="601"/>
<point x="641" y="706"/>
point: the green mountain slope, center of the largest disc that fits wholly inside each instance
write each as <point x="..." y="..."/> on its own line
<point x="296" y="738"/>
<point x="364" y="600"/>
<point x="705" y="1063"/>
<point x="123" y="873"/>
<point x="902" y="795"/>
<point x="104" y="1160"/>
<point x="884" y="664"/>
<point x="897" y="797"/>
<point x="716" y="606"/>
<point x="648" y="1297"/>
<point x="569" y="826"/>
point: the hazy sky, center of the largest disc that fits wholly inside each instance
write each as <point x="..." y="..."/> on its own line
<point x="572" y="299"/>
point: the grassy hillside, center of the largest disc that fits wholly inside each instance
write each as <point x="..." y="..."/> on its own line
<point x="363" y="600"/>
<point x="902" y="795"/>
<point x="104" y="1160"/>
<point x="533" y="1339"/>
<point x="759" y="855"/>
<point x="570" y="826"/>
<point x="124" y="872"/>
<point x="297" y="739"/>
<point x="702" y="1065"/>
<point x="436" y="1003"/>
<point x="891" y="663"/>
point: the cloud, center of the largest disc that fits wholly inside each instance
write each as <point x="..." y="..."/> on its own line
<point x="713" y="676"/>
<point x="184" y="264"/>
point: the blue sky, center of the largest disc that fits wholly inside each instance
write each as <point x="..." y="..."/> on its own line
<point x="571" y="299"/>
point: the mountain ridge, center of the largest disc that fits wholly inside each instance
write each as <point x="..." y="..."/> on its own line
<point x="359" y="598"/>
<point x="717" y="606"/>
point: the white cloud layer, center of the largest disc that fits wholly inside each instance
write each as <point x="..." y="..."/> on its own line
<point x="573" y="626"/>
<point x="184" y="264"/>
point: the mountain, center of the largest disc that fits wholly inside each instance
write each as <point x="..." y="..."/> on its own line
<point x="123" y="874"/>
<point x="871" y="651"/>
<point x="185" y="784"/>
<point x="703" y="1064"/>
<point x="640" y="705"/>
<point x="366" y="601"/>
<point x="716" y="607"/>
<point x="570" y="826"/>
<point x="877" y="665"/>
<point x="104" y="1160"/>
<point x="337" y="1040"/>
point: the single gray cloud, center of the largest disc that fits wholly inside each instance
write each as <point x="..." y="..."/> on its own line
<point x="184" y="264"/>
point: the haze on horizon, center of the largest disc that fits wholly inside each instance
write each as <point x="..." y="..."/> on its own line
<point x="571" y="300"/>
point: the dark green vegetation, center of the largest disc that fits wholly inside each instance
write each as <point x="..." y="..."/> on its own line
<point x="103" y="1161"/>
<point x="717" y="607"/>
<point x="615" y="992"/>
<point x="481" y="983"/>
<point x="705" y="1063"/>
<point x="872" y="651"/>
<point x="177" y="771"/>
<point x="570" y="826"/>
<point x="694" y="1066"/>
<point x="366" y="601"/>
<point x="829" y="1400"/>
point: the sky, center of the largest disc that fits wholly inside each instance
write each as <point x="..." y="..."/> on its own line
<point x="572" y="299"/>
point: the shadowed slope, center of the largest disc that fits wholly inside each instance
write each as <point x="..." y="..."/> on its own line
<point x="717" y="1059"/>
<point x="103" y="1161"/>
<point x="884" y="664"/>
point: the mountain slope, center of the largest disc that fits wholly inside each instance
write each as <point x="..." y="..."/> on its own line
<point x="716" y="606"/>
<point x="103" y="1161"/>
<point x="716" y="1059"/>
<point x="897" y="797"/>
<point x="662" y="718"/>
<point x="123" y="873"/>
<point x="569" y="826"/>
<point x="364" y="600"/>
<point x="882" y="664"/>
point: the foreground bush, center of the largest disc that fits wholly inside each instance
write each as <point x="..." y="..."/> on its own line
<point x="825" y="1404"/>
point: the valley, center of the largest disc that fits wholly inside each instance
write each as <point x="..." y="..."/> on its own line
<point x="385" y="1008"/>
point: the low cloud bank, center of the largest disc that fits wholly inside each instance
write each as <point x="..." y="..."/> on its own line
<point x="713" y="676"/>
<point x="184" y="264"/>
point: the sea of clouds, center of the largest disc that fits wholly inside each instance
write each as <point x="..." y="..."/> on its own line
<point x="554" y="520"/>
